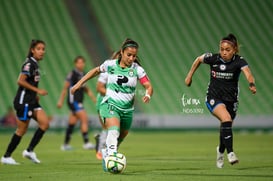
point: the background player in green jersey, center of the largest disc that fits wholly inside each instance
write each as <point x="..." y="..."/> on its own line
<point x="117" y="106"/>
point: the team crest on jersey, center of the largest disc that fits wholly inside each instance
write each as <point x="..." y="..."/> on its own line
<point x="223" y="67"/>
<point x="131" y="72"/>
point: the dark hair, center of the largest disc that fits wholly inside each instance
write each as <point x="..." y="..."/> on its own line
<point x="78" y="58"/>
<point x="231" y="38"/>
<point x="33" y="44"/>
<point x="127" y="43"/>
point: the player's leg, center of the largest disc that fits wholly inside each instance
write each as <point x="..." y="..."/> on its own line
<point x="125" y="125"/>
<point x="221" y="112"/>
<point x="100" y="138"/>
<point x="72" y="120"/>
<point x="14" y="142"/>
<point x="82" y="116"/>
<point x="43" y="122"/>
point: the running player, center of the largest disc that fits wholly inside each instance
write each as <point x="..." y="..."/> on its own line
<point x="26" y="104"/>
<point x="118" y="104"/>
<point x="75" y="104"/>
<point x="222" y="94"/>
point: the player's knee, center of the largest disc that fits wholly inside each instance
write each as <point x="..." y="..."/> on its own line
<point x="21" y="131"/>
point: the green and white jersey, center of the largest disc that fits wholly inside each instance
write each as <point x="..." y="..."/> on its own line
<point x="121" y="83"/>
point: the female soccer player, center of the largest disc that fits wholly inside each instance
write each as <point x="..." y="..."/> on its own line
<point x="222" y="94"/>
<point x="26" y="104"/>
<point x="75" y="104"/>
<point x="117" y="106"/>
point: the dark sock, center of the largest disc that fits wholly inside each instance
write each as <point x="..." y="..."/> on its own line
<point x="35" y="139"/>
<point x="14" y="142"/>
<point x="120" y="140"/>
<point x="85" y="137"/>
<point x="68" y="133"/>
<point x="221" y="145"/>
<point x="226" y="129"/>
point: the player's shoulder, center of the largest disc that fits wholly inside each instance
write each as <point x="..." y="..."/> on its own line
<point x="110" y="62"/>
<point x="239" y="57"/>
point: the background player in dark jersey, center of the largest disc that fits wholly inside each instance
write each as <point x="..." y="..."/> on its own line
<point x="222" y="94"/>
<point x="26" y="104"/>
<point x="75" y="103"/>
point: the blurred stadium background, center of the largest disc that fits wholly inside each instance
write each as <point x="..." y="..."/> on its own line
<point x="171" y="34"/>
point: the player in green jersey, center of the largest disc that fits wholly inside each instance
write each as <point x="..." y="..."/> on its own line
<point x="117" y="106"/>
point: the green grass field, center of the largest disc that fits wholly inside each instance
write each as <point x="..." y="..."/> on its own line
<point x="150" y="156"/>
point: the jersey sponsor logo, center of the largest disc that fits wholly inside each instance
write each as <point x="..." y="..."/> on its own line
<point x="222" y="75"/>
<point x="215" y="65"/>
<point x="223" y="67"/>
<point x="37" y="78"/>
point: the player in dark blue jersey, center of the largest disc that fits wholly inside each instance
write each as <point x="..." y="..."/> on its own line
<point x="75" y="104"/>
<point x="26" y="104"/>
<point x="222" y="94"/>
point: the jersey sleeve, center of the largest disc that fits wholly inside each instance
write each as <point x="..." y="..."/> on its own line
<point x="209" y="58"/>
<point x="104" y="66"/>
<point x="242" y="63"/>
<point x="27" y="69"/>
<point x="141" y="75"/>
<point x="103" y="77"/>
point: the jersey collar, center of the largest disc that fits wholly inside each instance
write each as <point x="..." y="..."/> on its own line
<point x="33" y="59"/>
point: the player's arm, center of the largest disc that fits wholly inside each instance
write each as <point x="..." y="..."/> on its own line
<point x="92" y="73"/>
<point x="63" y="94"/>
<point x="149" y="91"/>
<point x="90" y="94"/>
<point x="250" y="79"/>
<point x="194" y="67"/>
<point x="22" y="81"/>
<point x="101" y="88"/>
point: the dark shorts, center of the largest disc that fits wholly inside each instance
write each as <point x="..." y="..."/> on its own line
<point x="26" y="111"/>
<point x="75" y="106"/>
<point x="230" y="106"/>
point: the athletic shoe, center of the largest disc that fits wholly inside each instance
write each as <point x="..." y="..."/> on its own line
<point x="66" y="147"/>
<point x="88" y="146"/>
<point x="31" y="155"/>
<point x="232" y="158"/>
<point x="9" y="161"/>
<point x="104" y="155"/>
<point x="219" y="158"/>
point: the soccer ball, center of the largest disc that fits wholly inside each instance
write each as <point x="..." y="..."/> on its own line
<point x="115" y="163"/>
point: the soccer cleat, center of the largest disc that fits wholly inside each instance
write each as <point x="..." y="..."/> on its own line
<point x="9" y="161"/>
<point x="31" y="155"/>
<point x="88" y="146"/>
<point x="104" y="155"/>
<point x="66" y="147"/>
<point x="232" y="158"/>
<point x="219" y="158"/>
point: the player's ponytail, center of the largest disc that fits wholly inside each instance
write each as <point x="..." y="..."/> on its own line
<point x="231" y="39"/>
<point x="33" y="44"/>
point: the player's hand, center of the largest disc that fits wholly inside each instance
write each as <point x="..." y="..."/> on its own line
<point x="253" y="89"/>
<point x="188" y="81"/>
<point x="59" y="105"/>
<point x="146" y="99"/>
<point x="74" y="89"/>
<point x="42" y="92"/>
